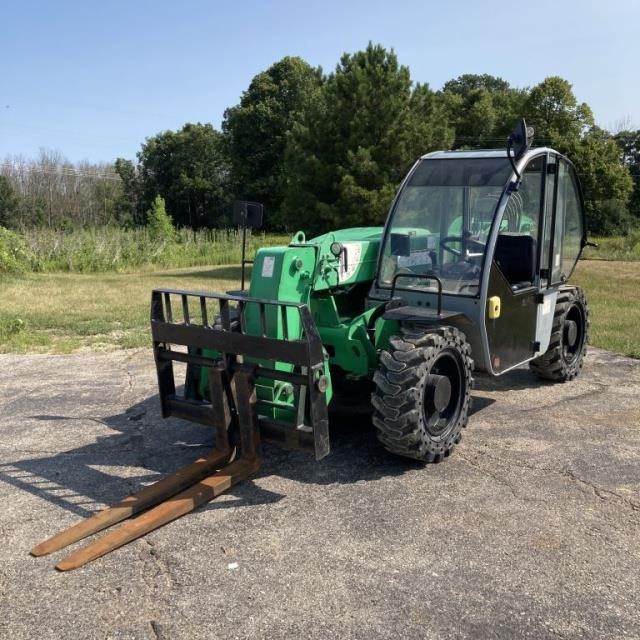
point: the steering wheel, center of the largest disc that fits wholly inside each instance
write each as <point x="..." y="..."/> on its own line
<point x="444" y="243"/>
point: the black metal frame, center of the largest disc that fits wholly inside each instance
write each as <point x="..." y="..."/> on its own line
<point x="305" y="353"/>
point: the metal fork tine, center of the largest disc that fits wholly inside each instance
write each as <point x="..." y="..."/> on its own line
<point x="147" y="497"/>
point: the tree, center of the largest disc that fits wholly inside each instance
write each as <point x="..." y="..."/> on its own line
<point x="629" y="143"/>
<point x="51" y="190"/>
<point x="159" y="222"/>
<point x="555" y="113"/>
<point x="356" y="140"/>
<point x="468" y="82"/>
<point x="129" y="204"/>
<point x="606" y="182"/>
<point x="256" y="129"/>
<point x="568" y="126"/>
<point x="8" y="203"/>
<point x="189" y="169"/>
<point x="483" y="109"/>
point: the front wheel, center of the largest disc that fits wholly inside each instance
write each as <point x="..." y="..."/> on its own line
<point x="564" y="358"/>
<point x="422" y="392"/>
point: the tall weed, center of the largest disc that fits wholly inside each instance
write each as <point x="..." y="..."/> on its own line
<point x="104" y="249"/>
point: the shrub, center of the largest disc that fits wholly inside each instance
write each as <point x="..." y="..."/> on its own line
<point x="11" y="326"/>
<point x="611" y="217"/>
<point x="15" y="257"/>
<point x="623" y="247"/>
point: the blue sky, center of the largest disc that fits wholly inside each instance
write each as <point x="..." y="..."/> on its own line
<point x="94" y="79"/>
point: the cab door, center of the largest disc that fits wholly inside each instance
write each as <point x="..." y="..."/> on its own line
<point x="569" y="225"/>
<point x="563" y="236"/>
<point x="514" y="278"/>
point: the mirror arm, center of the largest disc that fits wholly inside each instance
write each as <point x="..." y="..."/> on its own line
<point x="513" y="163"/>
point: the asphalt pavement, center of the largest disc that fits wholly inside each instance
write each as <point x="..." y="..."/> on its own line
<point x="529" y="530"/>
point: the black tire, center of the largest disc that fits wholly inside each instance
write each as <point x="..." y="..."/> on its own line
<point x="412" y="412"/>
<point x="564" y="358"/>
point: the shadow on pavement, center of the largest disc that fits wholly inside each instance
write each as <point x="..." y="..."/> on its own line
<point x="516" y="380"/>
<point x="145" y="448"/>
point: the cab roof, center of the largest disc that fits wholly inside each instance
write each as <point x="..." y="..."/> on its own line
<point x="481" y="153"/>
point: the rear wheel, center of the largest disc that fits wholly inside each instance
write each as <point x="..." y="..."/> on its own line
<point x="564" y="358"/>
<point x="422" y="392"/>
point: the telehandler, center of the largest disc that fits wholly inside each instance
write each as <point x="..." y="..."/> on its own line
<point x="468" y="273"/>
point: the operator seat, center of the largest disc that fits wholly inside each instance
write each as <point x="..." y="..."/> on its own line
<point x="515" y="254"/>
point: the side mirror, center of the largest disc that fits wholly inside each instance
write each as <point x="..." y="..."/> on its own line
<point x="247" y="214"/>
<point x="520" y="138"/>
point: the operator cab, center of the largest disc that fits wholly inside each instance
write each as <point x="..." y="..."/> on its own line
<point x="442" y="218"/>
<point x="484" y="225"/>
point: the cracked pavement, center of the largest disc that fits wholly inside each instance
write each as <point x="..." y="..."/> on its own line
<point x="529" y="530"/>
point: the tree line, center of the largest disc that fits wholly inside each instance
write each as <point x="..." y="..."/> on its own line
<point x="324" y="151"/>
<point x="51" y="191"/>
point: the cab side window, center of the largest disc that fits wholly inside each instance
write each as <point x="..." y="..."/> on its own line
<point x="522" y="214"/>
<point x="516" y="248"/>
<point x="571" y="208"/>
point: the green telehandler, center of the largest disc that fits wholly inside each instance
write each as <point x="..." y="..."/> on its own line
<point x="468" y="273"/>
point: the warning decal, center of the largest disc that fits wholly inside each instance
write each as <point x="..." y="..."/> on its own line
<point x="267" y="266"/>
<point x="349" y="260"/>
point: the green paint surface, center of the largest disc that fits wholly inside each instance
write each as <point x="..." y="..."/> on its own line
<point x="331" y="274"/>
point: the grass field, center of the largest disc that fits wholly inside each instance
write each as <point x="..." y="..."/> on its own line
<point x="64" y="312"/>
<point x="613" y="292"/>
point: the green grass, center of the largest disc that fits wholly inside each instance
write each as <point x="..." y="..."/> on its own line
<point x="63" y="312"/>
<point x="615" y="248"/>
<point x="613" y="293"/>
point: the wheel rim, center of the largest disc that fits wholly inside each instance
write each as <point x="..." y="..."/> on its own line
<point x="444" y="390"/>
<point x="573" y="334"/>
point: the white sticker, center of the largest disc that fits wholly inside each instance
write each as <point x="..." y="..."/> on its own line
<point x="557" y="262"/>
<point x="349" y="259"/>
<point x="267" y="266"/>
<point x="546" y="305"/>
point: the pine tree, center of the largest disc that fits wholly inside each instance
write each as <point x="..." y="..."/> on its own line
<point x="357" y="139"/>
<point x="159" y="222"/>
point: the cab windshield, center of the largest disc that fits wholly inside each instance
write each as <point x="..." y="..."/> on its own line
<point x="441" y="222"/>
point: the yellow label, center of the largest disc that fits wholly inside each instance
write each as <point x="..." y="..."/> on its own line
<point x="494" y="307"/>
